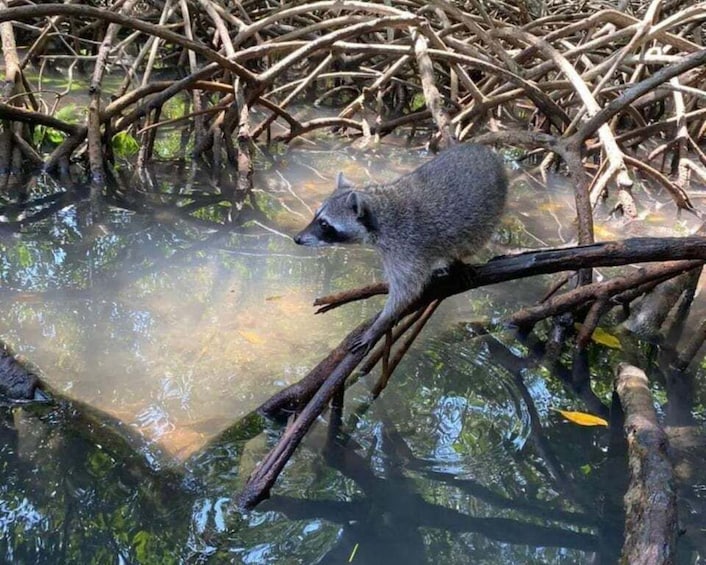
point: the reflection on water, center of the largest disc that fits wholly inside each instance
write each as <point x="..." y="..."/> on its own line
<point x="179" y="325"/>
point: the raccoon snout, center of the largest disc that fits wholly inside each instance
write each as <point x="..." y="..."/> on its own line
<point x="305" y="239"/>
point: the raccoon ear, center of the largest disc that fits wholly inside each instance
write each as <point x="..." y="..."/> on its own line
<point x="358" y="202"/>
<point x="342" y="183"/>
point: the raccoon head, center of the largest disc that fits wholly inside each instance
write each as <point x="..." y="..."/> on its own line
<point x="344" y="217"/>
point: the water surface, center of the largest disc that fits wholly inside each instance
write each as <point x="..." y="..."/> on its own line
<point x="178" y="324"/>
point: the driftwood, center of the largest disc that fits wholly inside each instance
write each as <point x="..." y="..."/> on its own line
<point x="651" y="507"/>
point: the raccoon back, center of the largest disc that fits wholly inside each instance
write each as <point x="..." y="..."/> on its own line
<point x="447" y="208"/>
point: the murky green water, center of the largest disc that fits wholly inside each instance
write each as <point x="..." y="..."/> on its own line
<point x="179" y="326"/>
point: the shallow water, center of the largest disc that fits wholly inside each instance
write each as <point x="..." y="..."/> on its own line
<point x="179" y="329"/>
<point x="179" y="326"/>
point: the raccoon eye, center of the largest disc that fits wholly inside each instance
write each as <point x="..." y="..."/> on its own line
<point x="323" y="224"/>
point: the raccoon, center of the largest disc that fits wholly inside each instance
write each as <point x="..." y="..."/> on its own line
<point x="442" y="212"/>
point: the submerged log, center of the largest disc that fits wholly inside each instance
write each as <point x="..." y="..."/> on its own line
<point x="651" y="506"/>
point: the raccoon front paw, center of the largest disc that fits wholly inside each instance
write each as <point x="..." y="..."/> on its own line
<point x="364" y="342"/>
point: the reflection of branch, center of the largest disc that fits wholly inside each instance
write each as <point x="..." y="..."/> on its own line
<point x="412" y="511"/>
<point x="56" y="202"/>
<point x="397" y="499"/>
<point x="514" y="365"/>
<point x="579" y="387"/>
<point x="535" y="508"/>
<point x="538" y="509"/>
<point x="563" y="483"/>
<point x="692" y="347"/>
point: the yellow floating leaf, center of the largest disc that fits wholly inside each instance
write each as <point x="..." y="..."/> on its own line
<point x="273" y="297"/>
<point x="581" y="418"/>
<point x="602" y="337"/>
<point x="352" y="557"/>
<point x="252" y="337"/>
<point x="603" y="232"/>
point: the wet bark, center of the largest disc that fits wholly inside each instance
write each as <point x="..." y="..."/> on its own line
<point x="651" y="508"/>
<point x="17" y="381"/>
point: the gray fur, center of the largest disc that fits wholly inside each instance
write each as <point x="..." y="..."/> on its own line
<point x="442" y="212"/>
